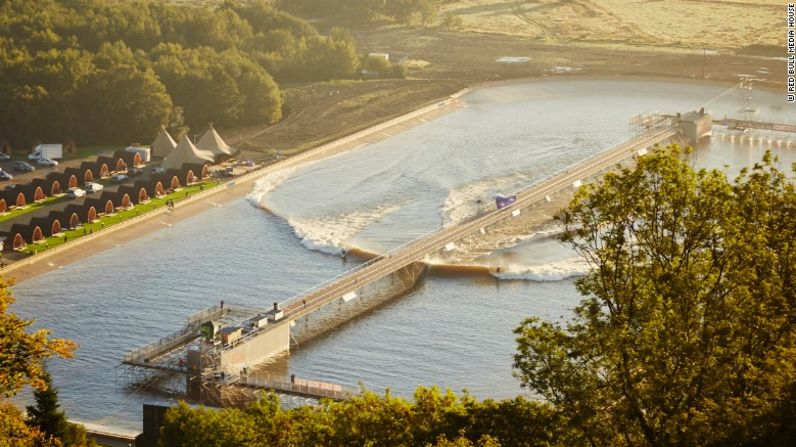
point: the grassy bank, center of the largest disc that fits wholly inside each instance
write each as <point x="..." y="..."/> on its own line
<point x="121" y="216"/>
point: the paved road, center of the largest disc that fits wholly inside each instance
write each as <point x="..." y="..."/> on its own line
<point x="417" y="250"/>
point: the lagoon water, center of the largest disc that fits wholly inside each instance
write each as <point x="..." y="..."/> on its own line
<point x="450" y="331"/>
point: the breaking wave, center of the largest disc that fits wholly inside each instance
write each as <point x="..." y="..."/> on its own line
<point x="267" y="184"/>
<point x="553" y="271"/>
<point x="332" y="234"/>
<point x="463" y="201"/>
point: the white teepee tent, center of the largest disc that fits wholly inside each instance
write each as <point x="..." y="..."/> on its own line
<point x="211" y="141"/>
<point x="163" y="144"/>
<point x="186" y="152"/>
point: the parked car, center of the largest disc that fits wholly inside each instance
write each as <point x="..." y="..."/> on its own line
<point x="46" y="162"/>
<point x="93" y="187"/>
<point x="4" y="156"/>
<point x="77" y="192"/>
<point x="5" y="175"/>
<point x="157" y="170"/>
<point x="119" y="178"/>
<point x="132" y="172"/>
<point x="23" y="166"/>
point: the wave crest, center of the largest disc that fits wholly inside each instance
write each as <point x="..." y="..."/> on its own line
<point x="553" y="271"/>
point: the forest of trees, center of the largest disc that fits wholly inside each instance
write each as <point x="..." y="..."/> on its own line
<point x="113" y="72"/>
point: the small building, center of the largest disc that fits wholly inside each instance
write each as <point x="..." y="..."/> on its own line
<point x="32" y="193"/>
<point x="275" y="314"/>
<point x="14" y="198"/>
<point x="50" y="185"/>
<point x="3" y="205"/>
<point x="120" y="200"/>
<point x="144" y="154"/>
<point x="89" y="171"/>
<point x="138" y="194"/>
<point x="171" y="179"/>
<point x="108" y="165"/>
<point x="230" y="334"/>
<point x="76" y="177"/>
<point x="20" y="235"/>
<point x="62" y="181"/>
<point x="76" y="215"/>
<point x="101" y="206"/>
<point x="194" y="172"/>
<point x="50" y="227"/>
<point x="258" y="321"/>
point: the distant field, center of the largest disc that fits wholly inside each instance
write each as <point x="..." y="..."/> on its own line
<point x="686" y="23"/>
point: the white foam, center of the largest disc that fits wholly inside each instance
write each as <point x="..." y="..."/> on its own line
<point x="553" y="271"/>
<point x="462" y="202"/>
<point x="267" y="184"/>
<point x="330" y="234"/>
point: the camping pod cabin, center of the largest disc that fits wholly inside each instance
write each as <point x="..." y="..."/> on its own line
<point x="137" y="194"/>
<point x="194" y="172"/>
<point x="75" y="214"/>
<point x="105" y="166"/>
<point x="102" y="207"/>
<point x="74" y="178"/>
<point x="131" y="159"/>
<point x="61" y="180"/>
<point x="98" y="208"/>
<point x="48" y="227"/>
<point x="3" y="205"/>
<point x="90" y="171"/>
<point x="51" y="186"/>
<point x="120" y="200"/>
<point x="18" y="236"/>
<point x="14" y="198"/>
<point x="172" y="179"/>
<point x="62" y="218"/>
<point x="33" y="193"/>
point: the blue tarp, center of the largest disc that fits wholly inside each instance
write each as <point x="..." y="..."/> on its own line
<point x="503" y="201"/>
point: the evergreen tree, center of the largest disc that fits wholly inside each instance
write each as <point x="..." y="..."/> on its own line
<point x="45" y="415"/>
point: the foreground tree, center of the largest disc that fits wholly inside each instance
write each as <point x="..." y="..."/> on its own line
<point x="686" y="333"/>
<point x="22" y="353"/>
<point x="45" y="415"/>
<point x="21" y="363"/>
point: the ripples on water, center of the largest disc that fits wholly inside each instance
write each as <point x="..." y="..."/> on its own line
<point x="450" y="331"/>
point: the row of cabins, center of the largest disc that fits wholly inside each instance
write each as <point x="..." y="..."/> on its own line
<point x="59" y="182"/>
<point x="75" y="215"/>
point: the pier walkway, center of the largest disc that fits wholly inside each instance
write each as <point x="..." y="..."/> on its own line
<point x="417" y="250"/>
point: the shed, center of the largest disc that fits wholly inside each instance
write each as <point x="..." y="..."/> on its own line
<point x="230" y="334"/>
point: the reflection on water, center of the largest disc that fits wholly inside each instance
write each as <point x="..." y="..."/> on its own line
<point x="452" y="330"/>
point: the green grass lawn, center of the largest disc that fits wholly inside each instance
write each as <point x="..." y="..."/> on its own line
<point x="31" y="207"/>
<point x="119" y="217"/>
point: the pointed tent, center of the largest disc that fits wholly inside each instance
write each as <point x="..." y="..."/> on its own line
<point x="163" y="144"/>
<point x="186" y="152"/>
<point x="211" y="141"/>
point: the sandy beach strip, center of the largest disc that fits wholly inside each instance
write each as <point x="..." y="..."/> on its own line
<point x="230" y="191"/>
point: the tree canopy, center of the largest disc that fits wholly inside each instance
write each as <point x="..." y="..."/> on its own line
<point x="686" y="332"/>
<point x="111" y="72"/>
<point x="434" y="418"/>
